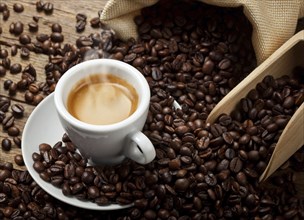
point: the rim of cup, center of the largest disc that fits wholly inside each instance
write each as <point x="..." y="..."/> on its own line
<point x="143" y="92"/>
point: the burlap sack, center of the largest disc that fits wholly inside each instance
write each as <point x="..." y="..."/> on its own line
<point x="273" y="21"/>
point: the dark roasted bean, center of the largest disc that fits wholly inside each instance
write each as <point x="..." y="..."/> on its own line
<point x="48" y="8"/>
<point x="6" y="144"/>
<point x="15" y="68"/>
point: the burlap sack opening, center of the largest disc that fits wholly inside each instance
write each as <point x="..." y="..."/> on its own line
<point x="273" y="21"/>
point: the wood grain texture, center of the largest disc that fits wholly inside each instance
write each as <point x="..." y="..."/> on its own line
<point x="65" y="14"/>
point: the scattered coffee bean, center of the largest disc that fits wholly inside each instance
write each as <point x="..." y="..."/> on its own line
<point x="48" y="8"/>
<point x="95" y="22"/>
<point x="33" y="26"/>
<point x="3" y="53"/>
<point x="5" y="15"/>
<point x="3" y="7"/>
<point x="18" y="7"/>
<point x="7" y="84"/>
<point x="42" y="37"/>
<point x="6" y="63"/>
<point x="24" y="53"/>
<point x="17" y="110"/>
<point x="17" y="141"/>
<point x="56" y="37"/>
<point x="28" y="97"/>
<point x="4" y="103"/>
<point x="30" y="69"/>
<point x="24" y="39"/>
<point x="2" y="116"/>
<point x="8" y="121"/>
<point x="80" y="26"/>
<point x="39" y="5"/>
<point x="22" y="84"/>
<point x="2" y="70"/>
<point x="37" y="99"/>
<point x="6" y="144"/>
<point x="56" y="28"/>
<point x="17" y="28"/>
<point x="13" y="131"/>
<point x="81" y="17"/>
<point x="15" y="68"/>
<point x="14" y="50"/>
<point x="12" y="89"/>
<point x="19" y="160"/>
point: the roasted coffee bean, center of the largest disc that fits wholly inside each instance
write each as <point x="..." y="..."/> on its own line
<point x="3" y="53"/>
<point x="81" y="17"/>
<point x="17" y="110"/>
<point x="93" y="192"/>
<point x="236" y="165"/>
<point x="14" y="50"/>
<point x="30" y="70"/>
<point x="8" y="121"/>
<point x="24" y="53"/>
<point x="15" y="68"/>
<point x="24" y="39"/>
<point x="33" y="88"/>
<point x="57" y="37"/>
<point x="12" y="89"/>
<point x="39" y="5"/>
<point x="4" y="103"/>
<point x="37" y="99"/>
<point x="2" y="70"/>
<point x="6" y="63"/>
<point x="48" y="8"/>
<point x="18" y="28"/>
<point x="19" y="160"/>
<point x="33" y="26"/>
<point x="56" y="28"/>
<point x="18" y="7"/>
<point x="7" y="84"/>
<point x="5" y="15"/>
<point x="2" y="116"/>
<point x="17" y="141"/>
<point x="95" y="22"/>
<point x="42" y="37"/>
<point x="80" y="26"/>
<point x="13" y="131"/>
<point x="6" y="144"/>
<point x="28" y="97"/>
<point x="288" y="102"/>
<point x="22" y="84"/>
<point x="38" y="166"/>
<point x="3" y="7"/>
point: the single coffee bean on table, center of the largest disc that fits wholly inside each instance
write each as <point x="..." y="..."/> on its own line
<point x="33" y="26"/>
<point x="6" y="144"/>
<point x="3" y="53"/>
<point x="18" y="7"/>
<point x="15" y="68"/>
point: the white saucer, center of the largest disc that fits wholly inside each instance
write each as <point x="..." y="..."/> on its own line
<point x="43" y="126"/>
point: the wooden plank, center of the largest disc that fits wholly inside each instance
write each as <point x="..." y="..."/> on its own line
<point x="65" y="14"/>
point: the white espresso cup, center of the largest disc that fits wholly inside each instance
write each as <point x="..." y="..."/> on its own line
<point x="112" y="143"/>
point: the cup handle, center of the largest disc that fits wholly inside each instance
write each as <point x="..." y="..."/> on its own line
<point x="140" y="148"/>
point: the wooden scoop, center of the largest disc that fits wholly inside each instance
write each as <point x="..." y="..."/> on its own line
<point x="280" y="63"/>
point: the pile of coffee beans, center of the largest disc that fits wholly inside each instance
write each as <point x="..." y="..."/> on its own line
<point x="201" y="170"/>
<point x="189" y="52"/>
<point x="196" y="54"/>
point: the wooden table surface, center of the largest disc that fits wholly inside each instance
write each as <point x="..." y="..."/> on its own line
<point x="65" y="14"/>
